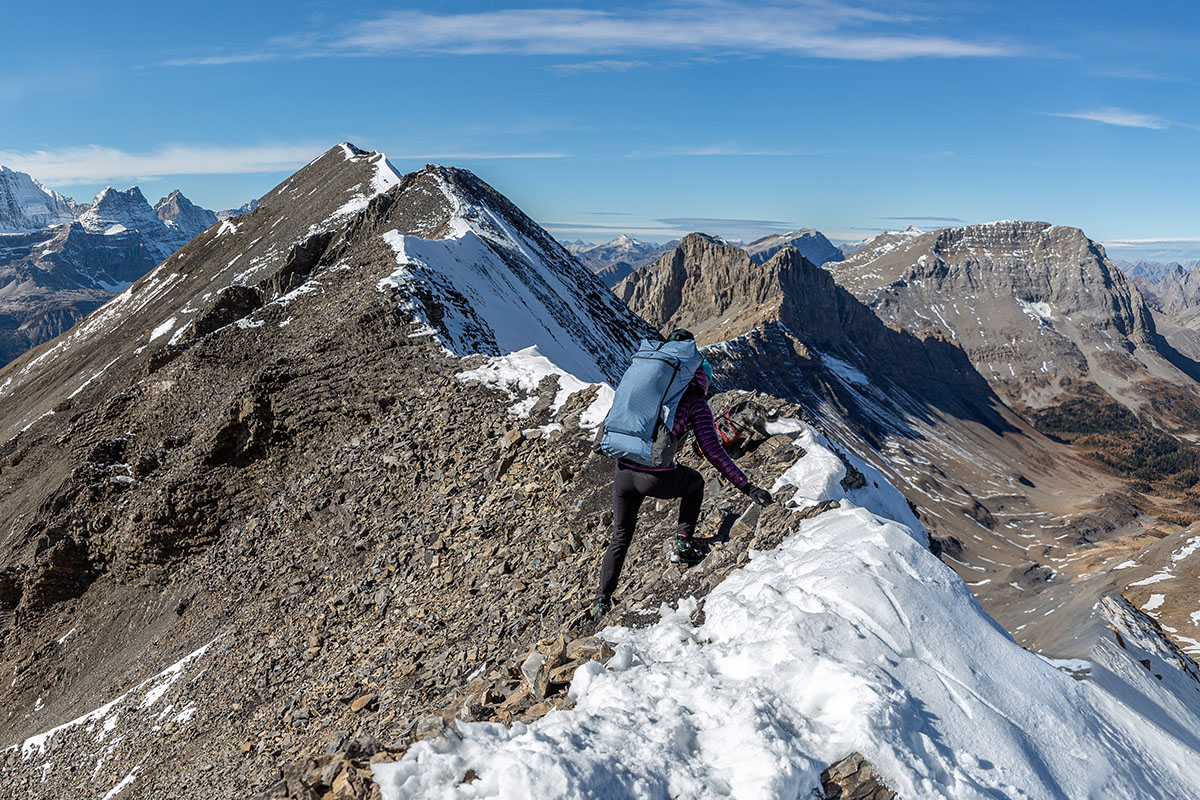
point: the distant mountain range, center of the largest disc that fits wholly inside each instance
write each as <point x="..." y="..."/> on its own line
<point x="59" y="259"/>
<point x="1172" y="291"/>
<point x="613" y="261"/>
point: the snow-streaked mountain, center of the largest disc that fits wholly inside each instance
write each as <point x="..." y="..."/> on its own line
<point x="50" y="277"/>
<point x="114" y="212"/>
<point x="26" y="205"/>
<point x="182" y="215"/>
<point x="1039" y="308"/>
<point x="809" y="242"/>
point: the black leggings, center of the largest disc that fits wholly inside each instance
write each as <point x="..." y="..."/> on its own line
<point x="630" y="488"/>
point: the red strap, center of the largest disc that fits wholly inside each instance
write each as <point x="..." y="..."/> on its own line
<point x="727" y="439"/>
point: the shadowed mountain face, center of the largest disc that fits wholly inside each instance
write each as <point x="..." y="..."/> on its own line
<point x="715" y="290"/>
<point x="1173" y="293"/>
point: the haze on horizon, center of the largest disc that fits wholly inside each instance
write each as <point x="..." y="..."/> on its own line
<point x="653" y="120"/>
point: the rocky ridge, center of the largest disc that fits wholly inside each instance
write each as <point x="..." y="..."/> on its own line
<point x="276" y="534"/>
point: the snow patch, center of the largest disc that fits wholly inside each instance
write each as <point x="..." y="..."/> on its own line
<point x="521" y="373"/>
<point x="163" y="329"/>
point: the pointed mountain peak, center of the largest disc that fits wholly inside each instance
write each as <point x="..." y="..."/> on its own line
<point x="183" y="215"/>
<point x="116" y="198"/>
<point x="26" y="205"/>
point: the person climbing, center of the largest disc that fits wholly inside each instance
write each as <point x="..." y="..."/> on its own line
<point x="633" y="482"/>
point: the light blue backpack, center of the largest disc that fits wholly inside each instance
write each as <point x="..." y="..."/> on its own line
<point x="638" y="427"/>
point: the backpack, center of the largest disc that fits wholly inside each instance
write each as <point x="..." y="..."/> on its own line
<point x="741" y="424"/>
<point x="638" y="426"/>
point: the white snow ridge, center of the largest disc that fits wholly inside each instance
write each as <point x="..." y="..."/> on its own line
<point x="849" y="636"/>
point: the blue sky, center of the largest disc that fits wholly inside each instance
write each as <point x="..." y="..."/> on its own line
<point x="654" y="119"/>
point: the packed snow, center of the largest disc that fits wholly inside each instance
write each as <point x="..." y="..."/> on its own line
<point x="521" y="372"/>
<point x="849" y="636"/>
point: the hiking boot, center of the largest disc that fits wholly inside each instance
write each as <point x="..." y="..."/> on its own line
<point x="601" y="608"/>
<point x="687" y="550"/>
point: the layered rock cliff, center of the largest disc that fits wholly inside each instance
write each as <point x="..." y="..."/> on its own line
<point x="1038" y="308"/>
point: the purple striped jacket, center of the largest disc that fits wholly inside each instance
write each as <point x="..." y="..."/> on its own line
<point x="694" y="414"/>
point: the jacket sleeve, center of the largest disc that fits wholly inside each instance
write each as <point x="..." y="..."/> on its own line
<point x="700" y="419"/>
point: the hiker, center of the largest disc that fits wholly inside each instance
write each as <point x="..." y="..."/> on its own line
<point x="634" y="482"/>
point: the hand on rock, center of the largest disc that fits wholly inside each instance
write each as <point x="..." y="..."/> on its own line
<point x="760" y="495"/>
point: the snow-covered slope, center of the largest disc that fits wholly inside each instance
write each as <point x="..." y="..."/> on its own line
<point x="849" y="636"/>
<point x="489" y="280"/>
<point x="26" y="205"/>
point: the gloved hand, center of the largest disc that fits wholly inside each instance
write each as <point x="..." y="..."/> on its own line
<point x="759" y="495"/>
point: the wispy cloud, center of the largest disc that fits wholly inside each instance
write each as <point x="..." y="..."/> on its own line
<point x="674" y="227"/>
<point x="1135" y="74"/>
<point x="811" y="28"/>
<point x="1138" y="242"/>
<point x="475" y="155"/>
<point x="96" y="163"/>
<point x="1178" y="248"/>
<point x="212" y="61"/>
<point x="1117" y="116"/>
<point x="923" y="219"/>
<point x="92" y="163"/>
<point x="604" y="65"/>
<point x="707" y="223"/>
